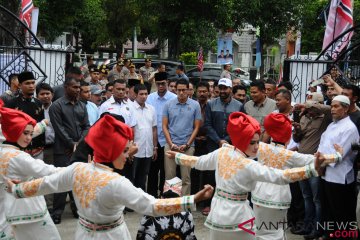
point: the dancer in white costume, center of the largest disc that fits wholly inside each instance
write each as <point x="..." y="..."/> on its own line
<point x="18" y="216"/>
<point x="236" y="175"/>
<point x="271" y="201"/>
<point x="100" y="194"/>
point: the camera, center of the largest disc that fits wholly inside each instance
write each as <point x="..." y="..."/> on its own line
<point x="296" y="116"/>
<point x="317" y="82"/>
<point x="355" y="146"/>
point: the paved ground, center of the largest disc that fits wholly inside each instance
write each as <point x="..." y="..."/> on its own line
<point x="68" y="225"/>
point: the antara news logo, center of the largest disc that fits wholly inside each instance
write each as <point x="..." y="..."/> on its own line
<point x="336" y="229"/>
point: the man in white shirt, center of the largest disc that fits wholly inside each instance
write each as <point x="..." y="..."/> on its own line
<point x="145" y="136"/>
<point x="118" y="104"/>
<point x="338" y="192"/>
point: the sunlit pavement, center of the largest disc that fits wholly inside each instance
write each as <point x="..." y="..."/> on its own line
<point x="68" y="225"/>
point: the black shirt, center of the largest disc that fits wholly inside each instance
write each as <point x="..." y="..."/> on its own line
<point x="70" y="122"/>
<point x="59" y="92"/>
<point x="34" y="108"/>
<point x="355" y="118"/>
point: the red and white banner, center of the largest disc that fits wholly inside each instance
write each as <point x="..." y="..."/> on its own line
<point x="26" y="9"/>
<point x="339" y="20"/>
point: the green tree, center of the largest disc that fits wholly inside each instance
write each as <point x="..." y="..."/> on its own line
<point x="313" y="27"/>
<point x="122" y="16"/>
<point x="89" y="25"/>
<point x="196" y="34"/>
<point x="56" y="17"/>
<point x="273" y="17"/>
<point x="186" y="24"/>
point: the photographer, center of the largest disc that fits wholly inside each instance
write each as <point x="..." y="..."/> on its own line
<point x="313" y="121"/>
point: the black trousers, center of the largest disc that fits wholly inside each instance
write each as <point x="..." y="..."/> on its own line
<point x="338" y="202"/>
<point x="197" y="182"/>
<point x="127" y="171"/>
<point x="59" y="201"/>
<point x="141" y="167"/>
<point x="296" y="212"/>
<point x="155" y="183"/>
<point x="208" y="177"/>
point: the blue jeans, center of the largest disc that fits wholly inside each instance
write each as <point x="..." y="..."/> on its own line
<point x="311" y="193"/>
<point x="141" y="168"/>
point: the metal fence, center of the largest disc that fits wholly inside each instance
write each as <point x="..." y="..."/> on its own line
<point x="301" y="70"/>
<point x="20" y="51"/>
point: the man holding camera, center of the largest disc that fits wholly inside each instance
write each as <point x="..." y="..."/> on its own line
<point x="307" y="133"/>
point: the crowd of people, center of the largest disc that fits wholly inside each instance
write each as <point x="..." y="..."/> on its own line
<point x="265" y="156"/>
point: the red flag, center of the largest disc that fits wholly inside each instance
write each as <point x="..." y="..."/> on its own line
<point x="26" y="9"/>
<point x="200" y="59"/>
<point x="339" y="20"/>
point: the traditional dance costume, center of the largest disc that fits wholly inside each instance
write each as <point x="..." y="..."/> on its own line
<point x="22" y="218"/>
<point x="100" y="194"/>
<point x="271" y="201"/>
<point x="231" y="216"/>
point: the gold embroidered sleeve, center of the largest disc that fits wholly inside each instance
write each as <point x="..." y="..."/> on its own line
<point x="301" y="173"/>
<point x="27" y="189"/>
<point x="174" y="205"/>
<point x="271" y="157"/>
<point x="185" y="160"/>
<point x="331" y="158"/>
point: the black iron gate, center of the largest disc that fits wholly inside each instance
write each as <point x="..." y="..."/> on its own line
<point x="21" y="50"/>
<point x="301" y="70"/>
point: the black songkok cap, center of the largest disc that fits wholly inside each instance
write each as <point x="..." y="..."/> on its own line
<point x="24" y="76"/>
<point x="160" y="76"/>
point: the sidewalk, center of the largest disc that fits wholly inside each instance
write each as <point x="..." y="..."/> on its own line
<point x="68" y="226"/>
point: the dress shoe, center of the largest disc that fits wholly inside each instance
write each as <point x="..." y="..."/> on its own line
<point x="56" y="219"/>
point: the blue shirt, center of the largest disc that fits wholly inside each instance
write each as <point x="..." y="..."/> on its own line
<point x="158" y="103"/>
<point x="181" y="118"/>
<point x="182" y="76"/>
<point x="93" y="112"/>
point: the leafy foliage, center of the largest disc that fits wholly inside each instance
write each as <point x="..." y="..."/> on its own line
<point x="189" y="58"/>
<point x="56" y="16"/>
<point x="313" y="27"/>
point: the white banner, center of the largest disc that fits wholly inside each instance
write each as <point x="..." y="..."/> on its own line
<point x="34" y="22"/>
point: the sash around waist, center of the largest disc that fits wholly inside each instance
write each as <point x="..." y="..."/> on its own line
<point x="236" y="197"/>
<point x="99" y="227"/>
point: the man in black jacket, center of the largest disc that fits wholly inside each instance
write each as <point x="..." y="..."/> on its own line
<point x="70" y="121"/>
